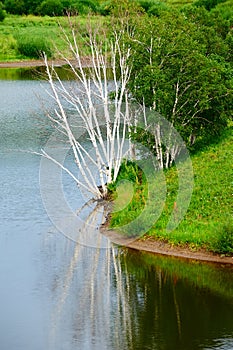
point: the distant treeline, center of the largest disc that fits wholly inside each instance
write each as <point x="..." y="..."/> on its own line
<point x="61" y="7"/>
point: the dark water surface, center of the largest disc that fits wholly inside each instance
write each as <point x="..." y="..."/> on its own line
<point x="56" y="294"/>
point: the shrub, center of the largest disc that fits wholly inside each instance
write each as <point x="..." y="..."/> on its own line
<point x="145" y="4"/>
<point x="223" y="242"/>
<point x="208" y="4"/>
<point x="153" y="7"/>
<point x="85" y="6"/>
<point x="2" y="12"/>
<point x="32" y="46"/>
<point x="156" y="9"/>
<point x="225" y="11"/>
<point x="15" y="7"/>
<point x="8" y="44"/>
<point x="105" y="8"/>
<point x="50" y="8"/>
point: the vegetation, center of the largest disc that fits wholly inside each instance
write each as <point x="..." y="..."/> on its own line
<point x="51" y="7"/>
<point x="2" y="12"/>
<point x="176" y="66"/>
<point x="102" y="7"/>
<point x="179" y="64"/>
<point x="182" y="69"/>
<point x="32" y="46"/>
<point x="45" y="31"/>
<point x="208" y="222"/>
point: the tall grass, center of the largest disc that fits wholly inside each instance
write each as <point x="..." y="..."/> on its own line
<point x="16" y="28"/>
<point x="33" y="46"/>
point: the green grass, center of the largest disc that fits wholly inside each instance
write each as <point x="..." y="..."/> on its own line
<point x="208" y="222"/>
<point x="46" y="28"/>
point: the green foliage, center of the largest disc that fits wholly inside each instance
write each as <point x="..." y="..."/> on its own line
<point x="33" y="46"/>
<point x="158" y="8"/>
<point x="207" y="4"/>
<point x="130" y="172"/>
<point x="205" y="224"/>
<point x="105" y="8"/>
<point x="223" y="238"/>
<point x="225" y="10"/>
<point x="45" y="27"/>
<point x="2" y="12"/>
<point x="50" y="8"/>
<point x="153" y="7"/>
<point x="15" y="7"/>
<point x="145" y="4"/>
<point x="31" y="6"/>
<point x="84" y="7"/>
<point x="181" y="68"/>
<point x="8" y="46"/>
<point x="124" y="10"/>
<point x="210" y="25"/>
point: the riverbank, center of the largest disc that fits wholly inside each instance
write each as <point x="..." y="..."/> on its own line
<point x="149" y="244"/>
<point x="206" y="231"/>
<point x="28" y="64"/>
<point x="212" y="196"/>
<point x="40" y="63"/>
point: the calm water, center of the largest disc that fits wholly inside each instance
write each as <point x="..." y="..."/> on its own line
<point x="58" y="294"/>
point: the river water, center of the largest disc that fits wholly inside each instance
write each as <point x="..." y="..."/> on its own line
<point x="58" y="294"/>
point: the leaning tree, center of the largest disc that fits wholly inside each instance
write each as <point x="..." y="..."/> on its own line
<point x="98" y="116"/>
<point x="101" y="102"/>
<point x="93" y="104"/>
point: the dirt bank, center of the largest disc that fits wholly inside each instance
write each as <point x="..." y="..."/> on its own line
<point x="86" y="62"/>
<point x="159" y="247"/>
<point x="22" y="64"/>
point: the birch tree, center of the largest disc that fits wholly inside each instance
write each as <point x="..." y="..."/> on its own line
<point x="94" y="104"/>
<point x="180" y="70"/>
<point x="102" y="111"/>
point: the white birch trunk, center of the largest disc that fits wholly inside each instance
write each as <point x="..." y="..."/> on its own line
<point x="91" y="92"/>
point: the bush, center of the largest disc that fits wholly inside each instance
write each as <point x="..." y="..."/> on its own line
<point x="156" y="9"/>
<point x="2" y="12"/>
<point x="223" y="242"/>
<point x="50" y="8"/>
<point x="153" y="7"/>
<point x="15" y="7"/>
<point x="85" y="6"/>
<point x="208" y="4"/>
<point x="32" y="47"/>
<point x="105" y="8"/>
<point x="224" y="10"/>
<point x="145" y="4"/>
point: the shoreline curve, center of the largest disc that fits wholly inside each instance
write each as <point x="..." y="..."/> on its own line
<point x="86" y="62"/>
<point x="154" y="246"/>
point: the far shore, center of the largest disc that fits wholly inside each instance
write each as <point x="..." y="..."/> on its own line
<point x="162" y="248"/>
<point x="22" y="64"/>
<point x="40" y="63"/>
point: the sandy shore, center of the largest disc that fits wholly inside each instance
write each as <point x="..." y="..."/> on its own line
<point x="22" y="64"/>
<point x="40" y="63"/>
<point x="159" y="247"/>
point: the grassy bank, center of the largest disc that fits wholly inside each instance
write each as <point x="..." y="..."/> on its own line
<point x="208" y="222"/>
<point x="21" y="36"/>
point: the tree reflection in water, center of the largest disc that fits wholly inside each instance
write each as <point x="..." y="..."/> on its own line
<point x="115" y="298"/>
